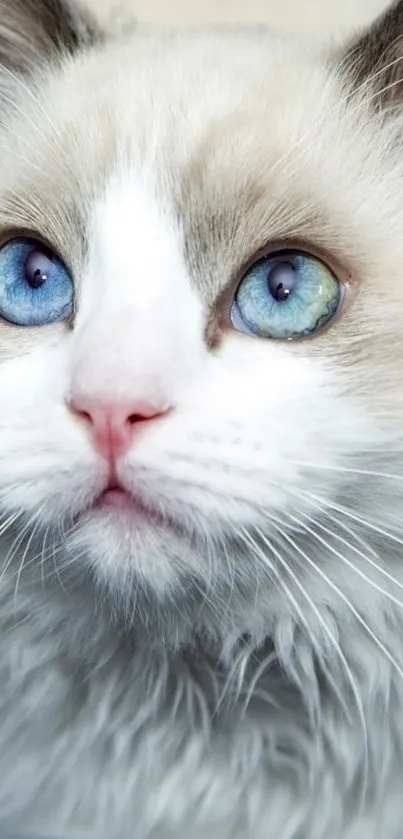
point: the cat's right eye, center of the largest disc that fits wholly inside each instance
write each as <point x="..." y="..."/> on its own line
<point x="286" y="295"/>
<point x="36" y="287"/>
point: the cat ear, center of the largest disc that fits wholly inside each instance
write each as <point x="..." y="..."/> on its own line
<point x="376" y="58"/>
<point x="32" y="32"/>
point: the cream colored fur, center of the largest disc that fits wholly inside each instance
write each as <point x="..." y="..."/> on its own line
<point x="318" y="17"/>
<point x="226" y="661"/>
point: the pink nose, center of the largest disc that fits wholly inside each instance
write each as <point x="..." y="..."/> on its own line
<point x="112" y="424"/>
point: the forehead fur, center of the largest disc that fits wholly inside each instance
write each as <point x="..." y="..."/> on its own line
<point x="236" y="129"/>
<point x="249" y="140"/>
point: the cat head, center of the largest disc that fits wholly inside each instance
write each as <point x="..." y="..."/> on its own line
<point x="201" y="309"/>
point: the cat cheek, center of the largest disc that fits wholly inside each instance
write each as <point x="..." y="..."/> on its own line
<point x="43" y="460"/>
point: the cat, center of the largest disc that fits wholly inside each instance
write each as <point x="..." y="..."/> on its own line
<point x="201" y="430"/>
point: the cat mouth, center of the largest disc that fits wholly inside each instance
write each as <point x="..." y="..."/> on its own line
<point x="118" y="502"/>
<point x="116" y="497"/>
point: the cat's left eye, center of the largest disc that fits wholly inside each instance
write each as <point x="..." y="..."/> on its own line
<point x="36" y="287"/>
<point x="286" y="295"/>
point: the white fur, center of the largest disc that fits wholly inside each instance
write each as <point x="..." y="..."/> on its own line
<point x="227" y="664"/>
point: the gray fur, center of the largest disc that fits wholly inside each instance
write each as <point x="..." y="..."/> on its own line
<point x="264" y="701"/>
<point x="32" y="33"/>
<point x="375" y="58"/>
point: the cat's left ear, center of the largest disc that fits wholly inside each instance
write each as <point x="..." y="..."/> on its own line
<point x="375" y="58"/>
<point x="33" y="32"/>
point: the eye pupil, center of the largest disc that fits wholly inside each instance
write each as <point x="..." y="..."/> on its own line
<point x="38" y="279"/>
<point x="281" y="281"/>
<point x="37" y="267"/>
<point x="281" y="293"/>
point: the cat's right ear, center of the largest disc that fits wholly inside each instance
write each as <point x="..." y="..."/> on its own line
<point x="375" y="58"/>
<point x="33" y="32"/>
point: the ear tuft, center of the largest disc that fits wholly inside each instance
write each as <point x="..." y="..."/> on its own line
<point x="376" y="58"/>
<point x="34" y="31"/>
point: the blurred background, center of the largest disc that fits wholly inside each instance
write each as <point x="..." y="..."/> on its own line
<point x="312" y="17"/>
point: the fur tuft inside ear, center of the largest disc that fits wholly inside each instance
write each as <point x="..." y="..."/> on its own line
<point x="376" y="58"/>
<point x="32" y="32"/>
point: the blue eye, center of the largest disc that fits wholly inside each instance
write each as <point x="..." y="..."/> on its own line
<point x="35" y="285"/>
<point x="286" y="295"/>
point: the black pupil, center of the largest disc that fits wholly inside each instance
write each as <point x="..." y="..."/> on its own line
<point x="282" y="281"/>
<point x="38" y="266"/>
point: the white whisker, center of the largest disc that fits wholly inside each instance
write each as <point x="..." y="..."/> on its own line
<point x="312" y="518"/>
<point x="347" y="470"/>
<point x="260" y="554"/>
<point x="23" y="559"/>
<point x="332" y="641"/>
<point x="286" y="537"/>
<point x="350" y="606"/>
<point x="367" y="559"/>
<point x="344" y="511"/>
<point x="5" y="525"/>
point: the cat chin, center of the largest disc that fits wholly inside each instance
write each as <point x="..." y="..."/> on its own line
<point x="127" y="549"/>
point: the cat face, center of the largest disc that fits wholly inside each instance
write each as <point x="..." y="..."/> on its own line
<point x="173" y="210"/>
